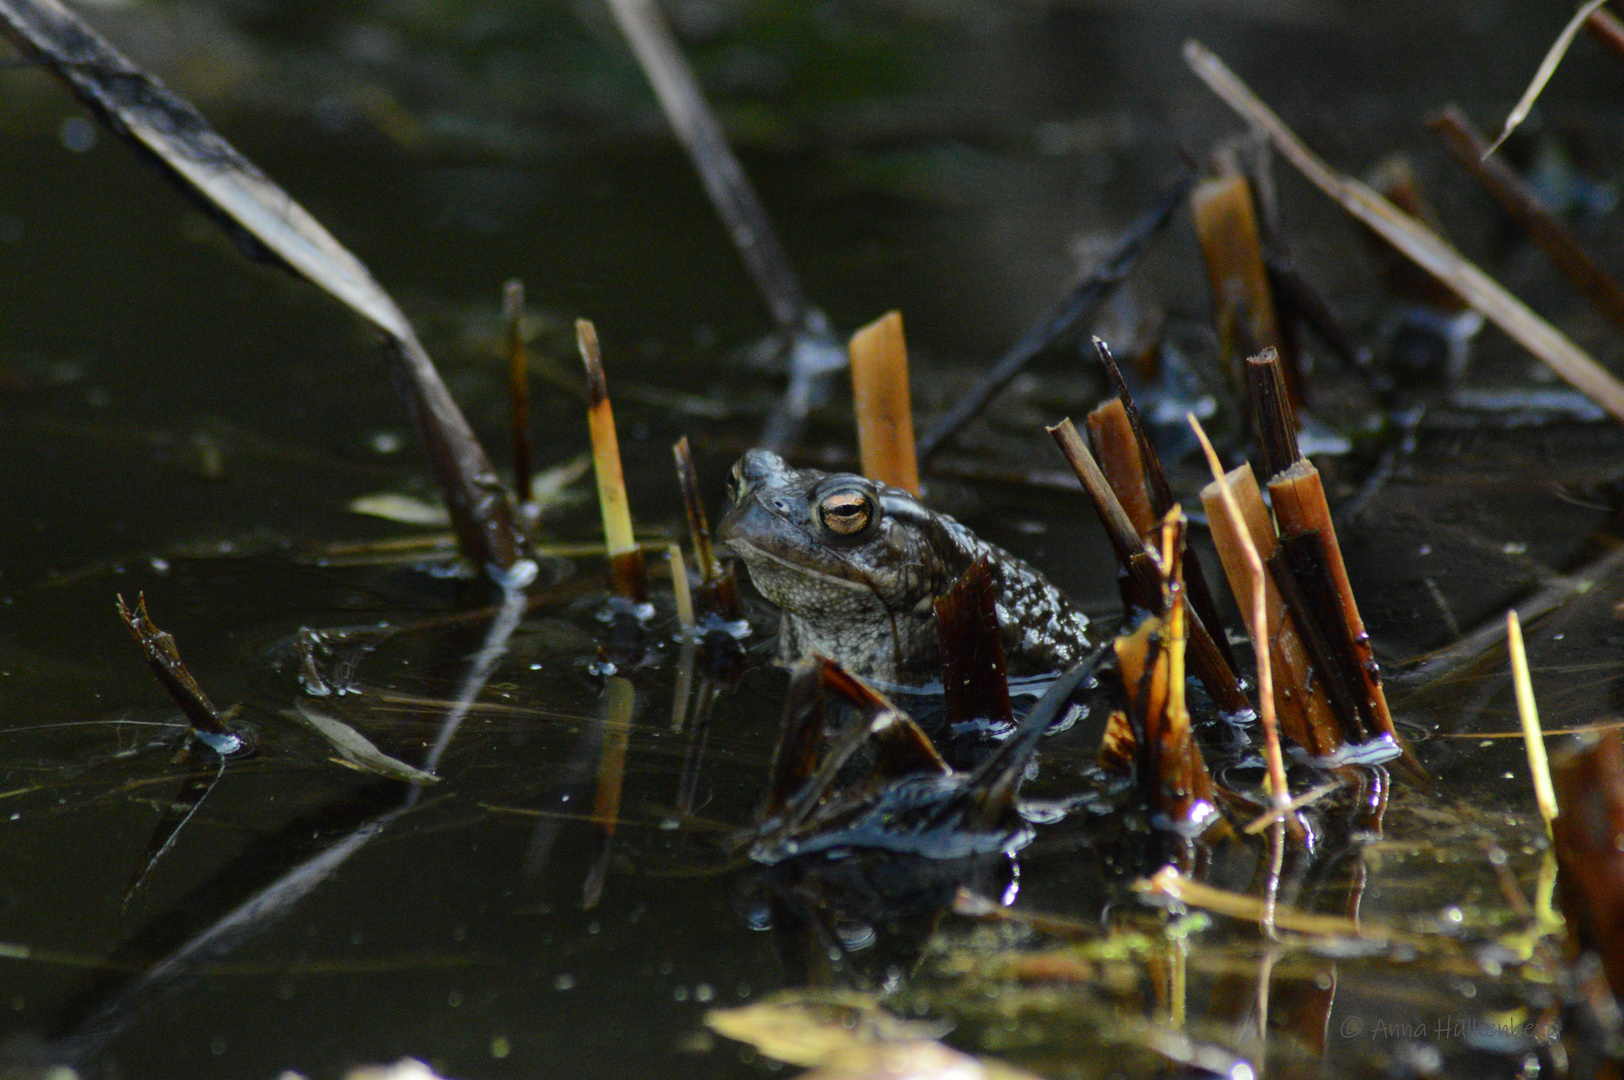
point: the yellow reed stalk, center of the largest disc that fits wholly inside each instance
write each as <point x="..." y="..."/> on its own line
<point x="1533" y="737"/>
<point x="625" y="557"/>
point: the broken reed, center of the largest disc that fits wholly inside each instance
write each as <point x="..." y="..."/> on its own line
<point x="519" y="396"/>
<point x="1172" y="773"/>
<point x="1140" y="580"/>
<point x="628" y="576"/>
<point x="163" y="657"/>
<point x="880" y="395"/>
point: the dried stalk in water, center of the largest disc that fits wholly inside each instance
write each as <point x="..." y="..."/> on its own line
<point x="519" y="394"/>
<point x="1227" y="228"/>
<point x="626" y="568"/>
<point x="885" y="433"/>
<point x="208" y="725"/>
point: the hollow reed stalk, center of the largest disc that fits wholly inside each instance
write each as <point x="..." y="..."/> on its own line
<point x="880" y="394"/>
<point x="698" y="525"/>
<point x="1226" y="227"/>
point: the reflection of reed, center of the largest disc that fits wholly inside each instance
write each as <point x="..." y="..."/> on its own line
<point x="619" y="707"/>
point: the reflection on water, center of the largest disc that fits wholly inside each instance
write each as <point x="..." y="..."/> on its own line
<point x="565" y="900"/>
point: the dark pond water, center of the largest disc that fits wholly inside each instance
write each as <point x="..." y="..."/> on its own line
<point x="181" y="423"/>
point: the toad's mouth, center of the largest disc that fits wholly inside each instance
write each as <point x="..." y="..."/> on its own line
<point x="749" y="551"/>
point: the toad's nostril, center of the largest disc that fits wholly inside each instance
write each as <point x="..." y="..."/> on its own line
<point x="781" y="506"/>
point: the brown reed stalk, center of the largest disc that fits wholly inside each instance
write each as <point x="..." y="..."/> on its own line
<point x="1301" y="511"/>
<point x="1226" y="227"/>
<point x="974" y="683"/>
<point x="880" y="394"/>
<point x="1304" y="712"/>
<point x="519" y="396"/>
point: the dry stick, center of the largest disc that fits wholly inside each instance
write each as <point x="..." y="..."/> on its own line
<point x="1416" y="241"/>
<point x="1605" y="28"/>
<point x="1547" y="67"/>
<point x="1210" y="666"/>
<point x="718" y="591"/>
<point x="879" y="376"/>
<point x="679" y="587"/>
<point x="170" y="131"/>
<point x="1161" y="501"/>
<point x="1533" y="738"/>
<point x="814" y="353"/>
<point x="1259" y="623"/>
<point x="1518" y="198"/>
<point x="626" y="569"/>
<point x="519" y="395"/>
<point x="1076" y="306"/>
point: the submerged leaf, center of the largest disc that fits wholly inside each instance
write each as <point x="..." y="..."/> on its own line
<point x="357" y="749"/>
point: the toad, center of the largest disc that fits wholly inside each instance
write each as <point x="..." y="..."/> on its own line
<point x="856" y="567"/>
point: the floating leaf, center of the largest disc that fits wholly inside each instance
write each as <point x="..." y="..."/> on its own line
<point x="357" y="749"/>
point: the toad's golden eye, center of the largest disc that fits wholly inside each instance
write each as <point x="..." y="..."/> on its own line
<point x="845" y="512"/>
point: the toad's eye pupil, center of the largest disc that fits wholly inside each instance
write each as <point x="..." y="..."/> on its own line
<point x="845" y="512"/>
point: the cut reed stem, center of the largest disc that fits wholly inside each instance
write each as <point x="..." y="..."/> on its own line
<point x="626" y="568"/>
<point x="880" y="394"/>
<point x="698" y="525"/>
